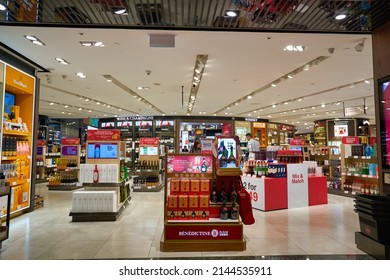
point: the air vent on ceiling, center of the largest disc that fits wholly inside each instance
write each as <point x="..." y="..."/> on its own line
<point x="149" y="14"/>
<point x="71" y="14"/>
<point x="162" y="41"/>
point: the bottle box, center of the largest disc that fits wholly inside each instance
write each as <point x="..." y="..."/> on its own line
<point x="184" y="186"/>
<point x="204" y="186"/>
<point x="175" y="186"/>
<point x="194" y="186"/>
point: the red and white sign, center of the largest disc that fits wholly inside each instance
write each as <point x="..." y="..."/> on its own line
<point x="297" y="142"/>
<point x="70" y="141"/>
<point x="255" y="188"/>
<point x="155" y="142"/>
<point x="350" y="140"/>
<point x="297" y="185"/>
<point x="41" y="142"/>
<point x="203" y="232"/>
<point x="104" y="135"/>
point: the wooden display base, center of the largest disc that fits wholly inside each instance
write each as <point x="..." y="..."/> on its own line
<point x="202" y="235"/>
<point x="372" y="247"/>
<point x="229" y="172"/>
<point x="148" y="189"/>
<point x="64" y="187"/>
<point x="99" y="216"/>
<point x="201" y="246"/>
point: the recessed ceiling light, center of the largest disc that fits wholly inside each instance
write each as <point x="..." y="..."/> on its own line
<point x="90" y="110"/>
<point x="80" y="109"/>
<point x="62" y="112"/>
<point x="286" y="103"/>
<point x="340" y="16"/>
<point x="51" y="103"/>
<point x="313" y="108"/>
<point x="292" y="48"/>
<point x="39" y="43"/>
<point x="98" y="103"/>
<point x="87" y="99"/>
<point x="289" y="76"/>
<point x="273" y="85"/>
<point x="69" y="113"/>
<point x="81" y="75"/>
<point x="139" y="88"/>
<point x="31" y="38"/>
<point x="119" y="11"/>
<point x="236" y="103"/>
<point x="273" y="105"/>
<point x="119" y="109"/>
<point x="300" y="99"/>
<point x="306" y="67"/>
<point x="66" y="106"/>
<point x="338" y="103"/>
<point x="231" y="13"/>
<point x="367" y="81"/>
<point x="323" y="105"/>
<point x="249" y="97"/>
<point x="2" y="7"/>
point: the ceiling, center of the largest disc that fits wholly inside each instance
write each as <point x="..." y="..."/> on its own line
<point x="241" y="61"/>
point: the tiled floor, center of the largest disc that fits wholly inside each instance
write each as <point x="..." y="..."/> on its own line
<point x="324" y="231"/>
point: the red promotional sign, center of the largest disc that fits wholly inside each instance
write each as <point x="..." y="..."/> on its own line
<point x="203" y="232"/>
<point x="149" y="142"/>
<point x="297" y="142"/>
<point x="104" y="135"/>
<point x="41" y="142"/>
<point x="350" y="140"/>
<point x="227" y="129"/>
<point x="70" y="141"/>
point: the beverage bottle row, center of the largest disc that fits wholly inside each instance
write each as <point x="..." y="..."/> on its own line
<point x="361" y="168"/>
<point x="146" y="181"/>
<point x="359" y="186"/>
<point x="11" y="146"/>
<point x="147" y="165"/>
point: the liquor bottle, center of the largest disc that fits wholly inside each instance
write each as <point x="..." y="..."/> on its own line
<point x="233" y="195"/>
<point x="193" y="214"/>
<point x="214" y="196"/>
<point x="96" y="174"/>
<point x="231" y="156"/>
<point x="224" y="197"/>
<point x="203" y="168"/>
<point x="97" y="151"/>
<point x="224" y="212"/>
<point x="172" y="215"/>
<point x="204" y="215"/>
<point x="182" y="215"/>
<point x="234" y="213"/>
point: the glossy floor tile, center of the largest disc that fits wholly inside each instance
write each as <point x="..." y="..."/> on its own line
<point x="317" y="232"/>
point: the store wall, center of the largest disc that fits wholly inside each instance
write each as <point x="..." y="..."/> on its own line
<point x="381" y="65"/>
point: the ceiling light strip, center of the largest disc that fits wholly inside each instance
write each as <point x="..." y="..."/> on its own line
<point x="97" y="102"/>
<point x="273" y="84"/>
<point x="200" y="64"/>
<point x="131" y="92"/>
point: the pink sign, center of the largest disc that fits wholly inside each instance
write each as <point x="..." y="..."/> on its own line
<point x="297" y="142"/>
<point x="190" y="164"/>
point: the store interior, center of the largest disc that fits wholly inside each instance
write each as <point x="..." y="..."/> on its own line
<point x="107" y="113"/>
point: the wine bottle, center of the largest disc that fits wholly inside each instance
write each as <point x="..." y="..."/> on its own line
<point x="193" y="214"/>
<point x="96" y="174"/>
<point x="224" y="212"/>
<point x="223" y="194"/>
<point x="233" y="195"/>
<point x="214" y="196"/>
<point x="204" y="166"/>
<point x="234" y="213"/>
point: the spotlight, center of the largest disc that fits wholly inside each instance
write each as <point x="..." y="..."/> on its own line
<point x="120" y="11"/>
<point x="360" y="46"/>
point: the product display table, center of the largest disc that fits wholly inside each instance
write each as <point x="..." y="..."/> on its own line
<point x="285" y="193"/>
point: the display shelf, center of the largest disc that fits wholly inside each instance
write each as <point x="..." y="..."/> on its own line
<point x="372" y="247"/>
<point x="16" y="182"/>
<point x="16" y="133"/>
<point x="149" y="188"/>
<point x="5" y="206"/>
<point x="64" y="187"/>
<point x="359" y="170"/>
<point x="194" y="187"/>
<point x="99" y="216"/>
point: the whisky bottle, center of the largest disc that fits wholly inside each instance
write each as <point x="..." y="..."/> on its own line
<point x="233" y="195"/>
<point x="214" y="196"/>
<point x="224" y="213"/>
<point x="234" y="213"/>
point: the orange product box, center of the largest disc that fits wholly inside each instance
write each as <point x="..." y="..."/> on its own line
<point x="183" y="202"/>
<point x="204" y="186"/>
<point x="204" y="201"/>
<point x="194" y="186"/>
<point x="175" y="186"/>
<point x="193" y="201"/>
<point x="172" y="202"/>
<point x="184" y="185"/>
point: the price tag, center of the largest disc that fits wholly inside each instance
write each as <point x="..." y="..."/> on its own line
<point x="349" y="174"/>
<point x="13" y="183"/>
<point x="363" y="157"/>
<point x="355" y="157"/>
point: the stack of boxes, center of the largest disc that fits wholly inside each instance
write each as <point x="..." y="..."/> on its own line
<point x="189" y="199"/>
